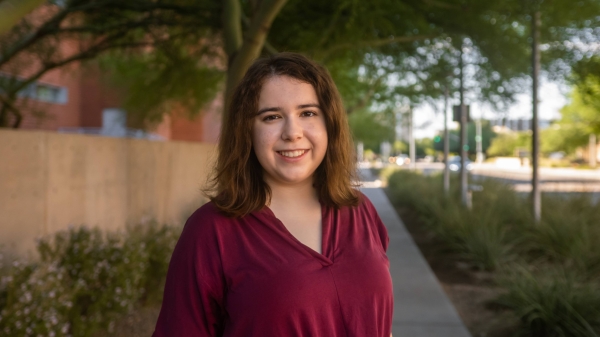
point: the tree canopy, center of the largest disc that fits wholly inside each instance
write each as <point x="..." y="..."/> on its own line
<point x="381" y="53"/>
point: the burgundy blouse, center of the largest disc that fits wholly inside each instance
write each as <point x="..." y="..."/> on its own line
<point x="249" y="276"/>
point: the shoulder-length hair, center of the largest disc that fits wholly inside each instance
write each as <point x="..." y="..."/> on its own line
<point x="237" y="183"/>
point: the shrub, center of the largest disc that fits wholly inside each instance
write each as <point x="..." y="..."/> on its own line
<point x="478" y="237"/>
<point x="84" y="280"/>
<point x="555" y="290"/>
<point x="551" y="302"/>
<point x="36" y="302"/>
<point x="568" y="234"/>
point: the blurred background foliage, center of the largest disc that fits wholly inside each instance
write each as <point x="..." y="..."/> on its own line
<point x="381" y="53"/>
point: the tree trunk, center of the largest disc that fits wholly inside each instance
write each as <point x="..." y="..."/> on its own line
<point x="242" y="52"/>
<point x="593" y="150"/>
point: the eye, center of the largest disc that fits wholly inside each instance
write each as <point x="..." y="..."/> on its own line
<point x="270" y="118"/>
<point x="308" y="113"/>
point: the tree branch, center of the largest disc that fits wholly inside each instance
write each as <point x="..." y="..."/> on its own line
<point x="232" y="27"/>
<point x="12" y="11"/>
<point x="364" y="100"/>
<point x="267" y="47"/>
<point x="31" y="38"/>
<point x="8" y="106"/>
<point x="252" y="44"/>
<point x="373" y="43"/>
<point x="332" y="25"/>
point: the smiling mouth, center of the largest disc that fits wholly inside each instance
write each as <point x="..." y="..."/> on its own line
<point x="292" y="154"/>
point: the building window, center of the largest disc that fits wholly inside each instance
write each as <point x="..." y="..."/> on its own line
<point x="37" y="91"/>
<point x="46" y="93"/>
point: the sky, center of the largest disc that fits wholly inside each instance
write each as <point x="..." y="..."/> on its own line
<point x="553" y="96"/>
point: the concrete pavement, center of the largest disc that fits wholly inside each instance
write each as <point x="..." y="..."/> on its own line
<point x="421" y="308"/>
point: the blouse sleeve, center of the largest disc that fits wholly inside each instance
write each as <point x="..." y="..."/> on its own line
<point x="193" y="303"/>
<point x="380" y="228"/>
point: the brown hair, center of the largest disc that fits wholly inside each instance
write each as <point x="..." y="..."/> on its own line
<point x="237" y="182"/>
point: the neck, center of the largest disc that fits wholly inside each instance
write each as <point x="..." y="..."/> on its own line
<point x="295" y="195"/>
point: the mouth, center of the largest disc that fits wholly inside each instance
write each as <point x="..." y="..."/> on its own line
<point x="292" y="154"/>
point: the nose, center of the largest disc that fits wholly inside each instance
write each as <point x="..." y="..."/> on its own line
<point x="292" y="130"/>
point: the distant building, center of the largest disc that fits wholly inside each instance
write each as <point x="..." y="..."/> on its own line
<point x="519" y="124"/>
<point x="73" y="99"/>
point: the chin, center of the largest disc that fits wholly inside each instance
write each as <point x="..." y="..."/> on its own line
<point x="292" y="179"/>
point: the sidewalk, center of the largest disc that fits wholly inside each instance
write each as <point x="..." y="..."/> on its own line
<point x="421" y="308"/>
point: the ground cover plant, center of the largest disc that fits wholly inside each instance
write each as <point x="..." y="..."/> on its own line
<point x="548" y="272"/>
<point x="84" y="280"/>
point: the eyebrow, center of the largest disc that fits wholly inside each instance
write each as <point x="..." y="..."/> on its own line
<point x="275" y="108"/>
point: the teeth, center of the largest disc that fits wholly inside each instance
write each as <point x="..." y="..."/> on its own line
<point x="292" y="154"/>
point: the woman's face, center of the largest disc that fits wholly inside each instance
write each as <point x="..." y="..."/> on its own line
<point x="289" y="135"/>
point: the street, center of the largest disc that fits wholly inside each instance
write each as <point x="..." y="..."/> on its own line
<point x="559" y="180"/>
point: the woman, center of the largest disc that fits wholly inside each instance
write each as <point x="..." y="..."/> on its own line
<point x="287" y="246"/>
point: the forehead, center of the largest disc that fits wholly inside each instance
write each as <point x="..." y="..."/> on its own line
<point x="285" y="89"/>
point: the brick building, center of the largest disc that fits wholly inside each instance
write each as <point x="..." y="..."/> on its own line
<point x="75" y="99"/>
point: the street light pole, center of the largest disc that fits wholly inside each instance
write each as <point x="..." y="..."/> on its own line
<point x="411" y="140"/>
<point x="535" y="146"/>
<point x="446" y="144"/>
<point x="463" y="133"/>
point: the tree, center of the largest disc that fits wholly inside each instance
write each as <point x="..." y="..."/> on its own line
<point x="380" y="52"/>
<point x="508" y="144"/>
<point x="488" y="138"/>
<point x="579" y="119"/>
<point x="33" y="47"/>
<point x="372" y="128"/>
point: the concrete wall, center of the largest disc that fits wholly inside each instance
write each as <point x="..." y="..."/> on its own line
<point x="49" y="181"/>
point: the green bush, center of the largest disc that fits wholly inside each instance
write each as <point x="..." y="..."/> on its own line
<point x="569" y="234"/>
<point x="551" y="302"/>
<point x="84" y="279"/>
<point x="479" y="237"/>
<point x="555" y="289"/>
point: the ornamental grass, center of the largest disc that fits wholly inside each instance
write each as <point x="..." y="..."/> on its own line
<point x="550" y="271"/>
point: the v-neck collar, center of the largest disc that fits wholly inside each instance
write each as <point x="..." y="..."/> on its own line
<point x="326" y="249"/>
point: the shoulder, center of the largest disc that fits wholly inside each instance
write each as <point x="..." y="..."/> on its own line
<point x="206" y="222"/>
<point x="367" y="208"/>
<point x="363" y="214"/>
<point x="365" y="205"/>
<point x="208" y="214"/>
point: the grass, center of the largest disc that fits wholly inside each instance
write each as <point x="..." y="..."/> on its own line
<point x="550" y="271"/>
<point x="551" y="302"/>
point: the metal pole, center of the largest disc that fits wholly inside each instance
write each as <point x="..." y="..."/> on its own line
<point x="535" y="146"/>
<point x="446" y="144"/>
<point x="411" y="140"/>
<point x="463" y="134"/>
<point x="478" y="140"/>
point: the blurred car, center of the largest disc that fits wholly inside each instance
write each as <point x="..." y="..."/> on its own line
<point x="454" y="164"/>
